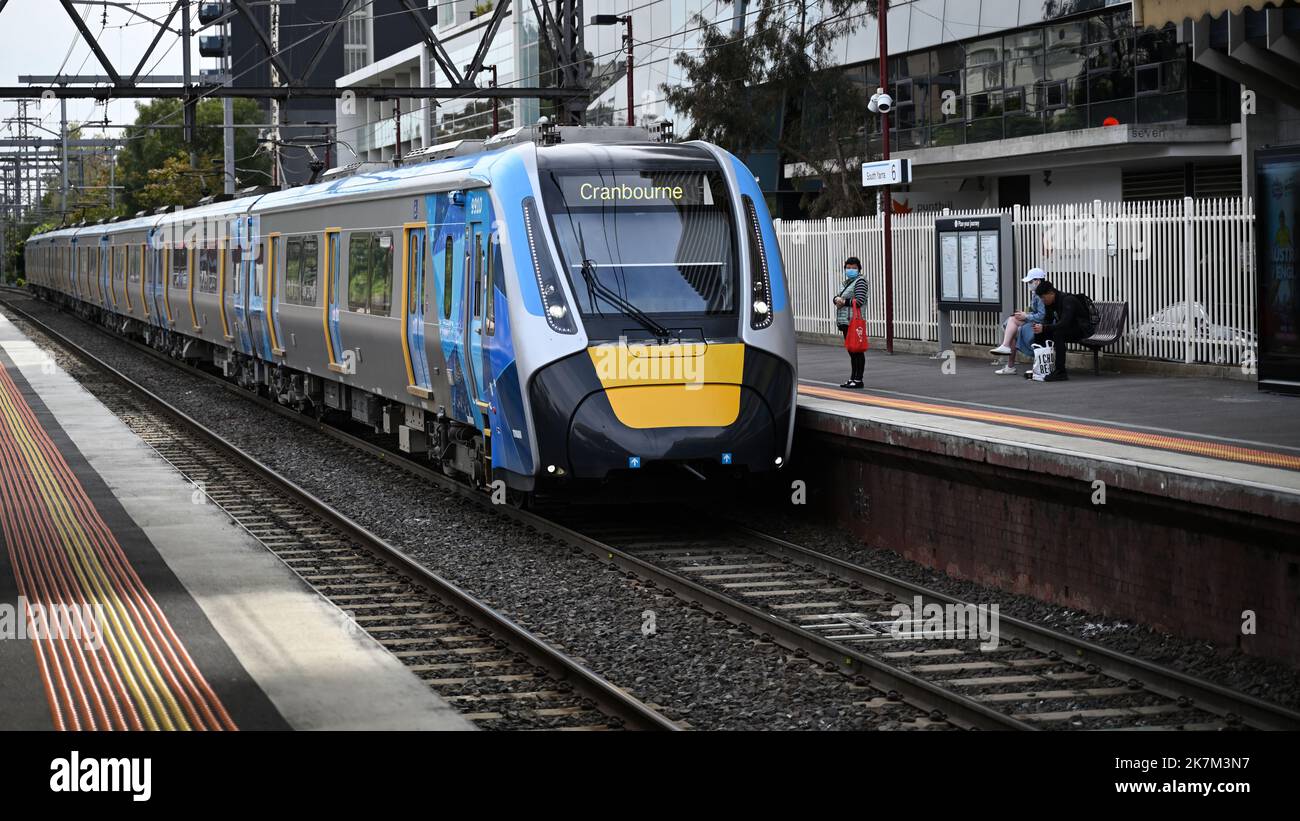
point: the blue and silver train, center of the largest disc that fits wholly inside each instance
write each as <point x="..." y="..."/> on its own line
<point x="558" y="304"/>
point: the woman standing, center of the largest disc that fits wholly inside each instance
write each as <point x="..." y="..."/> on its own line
<point x="854" y="292"/>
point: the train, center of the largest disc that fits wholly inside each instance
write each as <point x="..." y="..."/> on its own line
<point x="553" y="305"/>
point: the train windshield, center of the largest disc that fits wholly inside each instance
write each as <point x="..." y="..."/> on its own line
<point x="655" y="242"/>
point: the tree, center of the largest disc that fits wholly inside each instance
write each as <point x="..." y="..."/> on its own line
<point x="777" y="85"/>
<point x="150" y="180"/>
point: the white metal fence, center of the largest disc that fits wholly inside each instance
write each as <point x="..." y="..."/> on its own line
<point x="1186" y="268"/>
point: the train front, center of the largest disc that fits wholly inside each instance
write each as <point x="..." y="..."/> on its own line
<point x="663" y="261"/>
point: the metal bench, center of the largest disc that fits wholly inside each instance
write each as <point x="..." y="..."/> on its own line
<point x="1110" y="327"/>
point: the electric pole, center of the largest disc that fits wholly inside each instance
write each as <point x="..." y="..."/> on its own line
<point x="887" y="199"/>
<point x="276" y="171"/>
<point x="228" y="119"/>
<point x="63" y="134"/>
<point x="188" y="103"/>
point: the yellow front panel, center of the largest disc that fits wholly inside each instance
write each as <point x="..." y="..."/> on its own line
<point x="669" y="386"/>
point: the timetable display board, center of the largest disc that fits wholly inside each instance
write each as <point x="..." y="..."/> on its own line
<point x="973" y="262"/>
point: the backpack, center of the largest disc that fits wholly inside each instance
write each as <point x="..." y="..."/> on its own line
<point x="1090" y="310"/>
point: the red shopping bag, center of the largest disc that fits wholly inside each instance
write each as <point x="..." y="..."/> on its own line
<point x="856" y="339"/>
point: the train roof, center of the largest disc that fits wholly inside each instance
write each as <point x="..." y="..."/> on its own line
<point x="458" y="171"/>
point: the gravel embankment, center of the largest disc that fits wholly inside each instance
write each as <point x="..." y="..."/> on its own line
<point x="696" y="669"/>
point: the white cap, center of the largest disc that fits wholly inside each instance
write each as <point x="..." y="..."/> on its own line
<point x="1034" y="273"/>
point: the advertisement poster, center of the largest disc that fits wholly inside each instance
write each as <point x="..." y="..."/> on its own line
<point x="1277" y="192"/>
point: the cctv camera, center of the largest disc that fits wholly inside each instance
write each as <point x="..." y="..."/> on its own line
<point x="881" y="103"/>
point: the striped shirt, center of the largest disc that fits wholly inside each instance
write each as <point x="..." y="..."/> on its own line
<point x="854" y="289"/>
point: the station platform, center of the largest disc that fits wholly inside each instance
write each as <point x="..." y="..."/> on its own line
<point x="1216" y="428"/>
<point x="1171" y="501"/>
<point x="170" y="617"/>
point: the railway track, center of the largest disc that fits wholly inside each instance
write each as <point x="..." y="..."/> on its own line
<point x="841" y="616"/>
<point x="496" y="673"/>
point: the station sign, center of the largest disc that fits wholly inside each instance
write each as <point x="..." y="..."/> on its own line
<point x="886" y="172"/>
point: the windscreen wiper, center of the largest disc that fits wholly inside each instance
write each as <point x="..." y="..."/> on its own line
<point x="626" y="308"/>
<point x="613" y="297"/>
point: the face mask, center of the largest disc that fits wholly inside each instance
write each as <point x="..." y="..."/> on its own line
<point x="850" y="273"/>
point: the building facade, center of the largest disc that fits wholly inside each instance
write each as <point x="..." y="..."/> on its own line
<point x="999" y="102"/>
<point x="372" y="27"/>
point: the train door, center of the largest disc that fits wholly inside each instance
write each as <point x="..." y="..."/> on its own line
<point x="223" y="287"/>
<point x="129" y="270"/>
<point x="477" y="372"/>
<point x="330" y="309"/>
<point x="105" y="273"/>
<point x="78" y="266"/>
<point x="413" y="308"/>
<point x="274" y="243"/>
<point x="254" y="263"/>
<point x="155" y="266"/>
<point x="142" y="280"/>
<point x="237" y="273"/>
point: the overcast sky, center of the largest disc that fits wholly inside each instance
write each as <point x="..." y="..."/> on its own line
<point x="35" y="37"/>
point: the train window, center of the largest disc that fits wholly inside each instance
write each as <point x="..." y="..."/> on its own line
<point x="180" y="272"/>
<point x="293" y="270"/>
<point x="381" y="276"/>
<point x="413" y="278"/>
<point x="359" y="253"/>
<point x="370" y="273"/>
<point x="209" y="273"/>
<point x="478" y="275"/>
<point x="259" y="267"/>
<point x="232" y="273"/>
<point x="448" y="264"/>
<point x="496" y="274"/>
<point x="310" y="265"/>
<point x="672" y="251"/>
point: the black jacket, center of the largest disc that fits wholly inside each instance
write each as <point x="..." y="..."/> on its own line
<point x="1068" y="316"/>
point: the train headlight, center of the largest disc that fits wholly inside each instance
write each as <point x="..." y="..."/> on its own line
<point x="554" y="304"/>
<point x="761" y="315"/>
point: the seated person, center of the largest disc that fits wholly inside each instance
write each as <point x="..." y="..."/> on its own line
<point x="1019" y="326"/>
<point x="1067" y="320"/>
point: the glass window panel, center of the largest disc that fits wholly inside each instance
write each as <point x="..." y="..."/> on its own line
<point x="293" y="270"/>
<point x="1109" y="26"/>
<point x="310" y="266"/>
<point x="1023" y="125"/>
<point x="1064" y="36"/>
<point x="947" y="58"/>
<point x="381" y="274"/>
<point x="1147" y="80"/>
<point x="984" y="130"/>
<point x="983" y="52"/>
<point x="448" y="268"/>
<point x="1162" y="108"/>
<point x="1023" y="44"/>
<point x="359" y="256"/>
<point x="1064" y="119"/>
<point x="1026" y="71"/>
